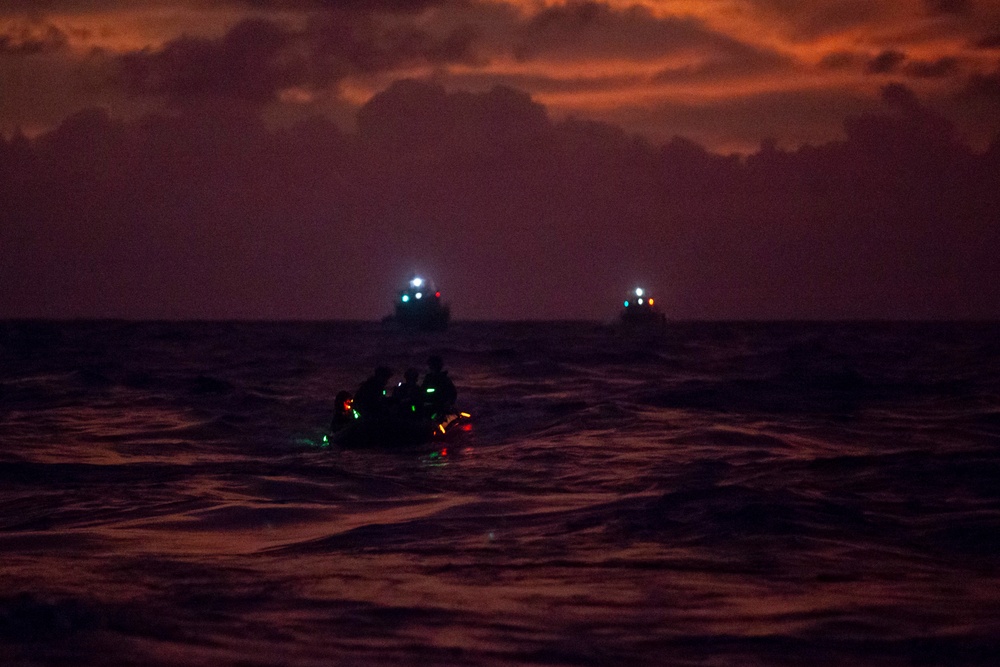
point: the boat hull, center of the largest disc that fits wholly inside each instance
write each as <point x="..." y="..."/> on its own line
<point x="431" y="318"/>
<point x="400" y="433"/>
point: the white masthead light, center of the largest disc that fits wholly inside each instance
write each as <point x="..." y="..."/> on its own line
<point x="638" y="291"/>
<point x="417" y="282"/>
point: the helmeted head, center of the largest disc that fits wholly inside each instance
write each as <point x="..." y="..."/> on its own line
<point x="435" y="362"/>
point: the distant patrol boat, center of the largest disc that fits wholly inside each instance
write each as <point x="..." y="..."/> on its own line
<point x="640" y="311"/>
<point x="419" y="307"/>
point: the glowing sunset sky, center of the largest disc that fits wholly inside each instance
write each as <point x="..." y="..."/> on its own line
<point x="726" y="73"/>
<point x="300" y="158"/>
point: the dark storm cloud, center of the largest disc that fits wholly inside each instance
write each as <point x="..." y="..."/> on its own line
<point x="902" y="97"/>
<point x="892" y="61"/>
<point x="885" y="62"/>
<point x="740" y="122"/>
<point x="246" y="63"/>
<point x="394" y="6"/>
<point x="41" y="6"/>
<point x="947" y="6"/>
<point x="543" y="84"/>
<point x="838" y="60"/>
<point x="518" y="215"/>
<point x="807" y="20"/>
<point x="932" y="69"/>
<point x="342" y="44"/>
<point x="411" y="113"/>
<point x="83" y="6"/>
<point x="257" y="58"/>
<point x="737" y="61"/>
<point x="600" y="30"/>
<point x="984" y="85"/>
<point x="989" y="42"/>
<point x="595" y="30"/>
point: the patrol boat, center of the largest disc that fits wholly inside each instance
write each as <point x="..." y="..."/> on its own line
<point x="419" y="307"/>
<point x="640" y="312"/>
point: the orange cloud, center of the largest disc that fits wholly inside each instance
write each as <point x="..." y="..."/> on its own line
<point x="611" y="58"/>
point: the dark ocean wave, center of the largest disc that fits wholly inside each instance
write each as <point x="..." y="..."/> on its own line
<point x="720" y="493"/>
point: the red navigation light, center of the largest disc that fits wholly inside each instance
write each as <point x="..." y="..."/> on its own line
<point x="437" y="295"/>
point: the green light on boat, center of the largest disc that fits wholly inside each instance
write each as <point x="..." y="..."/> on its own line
<point x="431" y="390"/>
<point x="626" y="304"/>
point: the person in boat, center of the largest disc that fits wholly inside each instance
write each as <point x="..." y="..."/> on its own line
<point x="343" y="413"/>
<point x="438" y="391"/>
<point x="370" y="398"/>
<point x="406" y="397"/>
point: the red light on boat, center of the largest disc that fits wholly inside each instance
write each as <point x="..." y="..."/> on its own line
<point x="437" y="295"/>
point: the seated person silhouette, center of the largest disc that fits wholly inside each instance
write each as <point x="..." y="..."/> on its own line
<point x="370" y="398"/>
<point x="439" y="393"/>
<point x="406" y="397"/>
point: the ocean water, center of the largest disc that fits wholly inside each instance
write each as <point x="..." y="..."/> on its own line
<point x="715" y="494"/>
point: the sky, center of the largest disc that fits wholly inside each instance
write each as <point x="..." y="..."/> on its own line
<point x="740" y="159"/>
